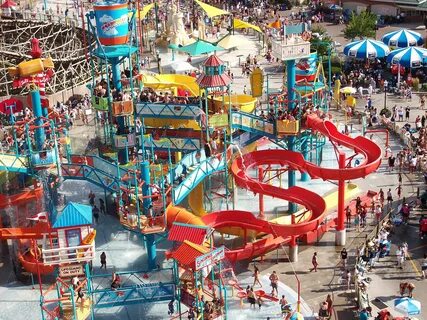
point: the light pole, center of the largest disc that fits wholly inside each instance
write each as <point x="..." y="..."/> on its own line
<point x="385" y="93"/>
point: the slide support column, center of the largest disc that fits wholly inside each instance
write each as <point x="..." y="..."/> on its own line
<point x="290" y="70"/>
<point x="293" y="246"/>
<point x="150" y="244"/>
<point x="340" y="235"/>
<point x="39" y="133"/>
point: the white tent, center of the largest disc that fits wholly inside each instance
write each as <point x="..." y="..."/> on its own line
<point x="181" y="66"/>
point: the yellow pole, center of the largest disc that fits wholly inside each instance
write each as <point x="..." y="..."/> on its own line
<point x="178" y="156"/>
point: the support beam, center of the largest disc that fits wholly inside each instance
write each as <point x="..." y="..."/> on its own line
<point x="340" y="236"/>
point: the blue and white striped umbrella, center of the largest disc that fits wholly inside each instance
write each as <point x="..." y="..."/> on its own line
<point x="411" y="57"/>
<point x="403" y="38"/>
<point x="408" y="306"/>
<point x="366" y="49"/>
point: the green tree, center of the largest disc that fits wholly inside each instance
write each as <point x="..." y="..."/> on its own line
<point x="320" y="40"/>
<point x="361" y="26"/>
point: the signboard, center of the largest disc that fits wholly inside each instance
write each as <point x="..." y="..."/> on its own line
<point x="71" y="271"/>
<point x="210" y="258"/>
<point x="290" y="51"/>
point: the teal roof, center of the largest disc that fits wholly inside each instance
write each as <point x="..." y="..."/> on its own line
<point x="74" y="214"/>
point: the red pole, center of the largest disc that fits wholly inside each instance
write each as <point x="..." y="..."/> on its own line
<point x="341" y="195"/>
<point x="261" y="196"/>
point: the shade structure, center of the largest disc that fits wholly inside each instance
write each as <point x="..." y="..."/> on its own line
<point x="240" y="24"/>
<point x="143" y="12"/>
<point x="403" y="38"/>
<point x="211" y="11"/>
<point x="408" y="306"/>
<point x="366" y="49"/>
<point x="8" y="4"/>
<point x="182" y="66"/>
<point x="199" y="47"/>
<point x="231" y="41"/>
<point x="412" y="57"/>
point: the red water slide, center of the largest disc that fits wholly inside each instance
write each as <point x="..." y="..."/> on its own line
<point x="310" y="200"/>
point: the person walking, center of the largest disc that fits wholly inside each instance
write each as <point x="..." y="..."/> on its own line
<point x="330" y="305"/>
<point x="171" y="307"/>
<point x="399" y="190"/>
<point x="102" y="206"/>
<point x="103" y="259"/>
<point x="348" y="278"/>
<point x="381" y="196"/>
<point x="274" y="279"/>
<point x="256" y="276"/>
<point x="424" y="266"/>
<point x="314" y="262"/>
<point x="389" y="197"/>
<point x="95" y="212"/>
<point x="357" y="222"/>
<point x="344" y="256"/>
<point x="407" y="112"/>
<point x="91" y="197"/>
<point x="348" y="216"/>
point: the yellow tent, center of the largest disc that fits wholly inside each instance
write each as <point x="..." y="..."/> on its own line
<point x="211" y="11"/>
<point x="239" y="24"/>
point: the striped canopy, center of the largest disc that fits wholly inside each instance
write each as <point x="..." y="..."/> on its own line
<point x="366" y="49"/>
<point x="403" y="38"/>
<point x="411" y="57"/>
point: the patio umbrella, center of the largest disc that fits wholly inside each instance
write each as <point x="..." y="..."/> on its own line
<point x="296" y="316"/>
<point x="335" y="7"/>
<point x="407" y="306"/>
<point x="411" y="57"/>
<point x="199" y="47"/>
<point x="348" y="90"/>
<point x="182" y="66"/>
<point x="231" y="41"/>
<point x="366" y="49"/>
<point x="403" y="38"/>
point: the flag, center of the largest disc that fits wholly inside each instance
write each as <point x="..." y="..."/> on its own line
<point x="41" y="216"/>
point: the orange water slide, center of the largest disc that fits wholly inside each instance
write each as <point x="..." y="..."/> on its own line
<point x="315" y="204"/>
<point x="26" y="196"/>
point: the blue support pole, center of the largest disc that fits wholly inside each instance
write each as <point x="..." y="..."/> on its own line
<point x="290" y="70"/>
<point x="150" y="244"/>
<point x="39" y="134"/>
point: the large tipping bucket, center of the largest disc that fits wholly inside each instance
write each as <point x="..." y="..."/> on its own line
<point x="306" y="68"/>
<point x="112" y="22"/>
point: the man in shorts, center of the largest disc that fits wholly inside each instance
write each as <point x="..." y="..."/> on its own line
<point x="274" y="279"/>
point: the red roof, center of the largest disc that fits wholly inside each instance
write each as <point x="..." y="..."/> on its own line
<point x="206" y="81"/>
<point x="180" y="232"/>
<point x="213" y="61"/>
<point x="187" y="253"/>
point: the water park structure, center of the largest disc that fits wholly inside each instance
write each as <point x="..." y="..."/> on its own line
<point x="169" y="165"/>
